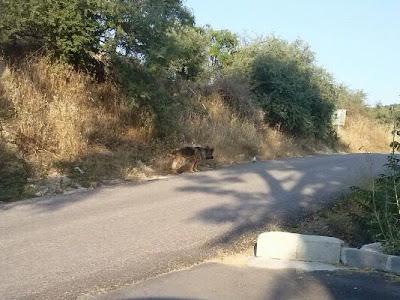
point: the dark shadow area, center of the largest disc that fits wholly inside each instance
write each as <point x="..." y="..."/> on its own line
<point x="279" y="193"/>
<point x="14" y="171"/>
<point x="335" y="285"/>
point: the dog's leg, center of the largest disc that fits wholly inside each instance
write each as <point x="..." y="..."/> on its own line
<point x="192" y="166"/>
<point x="196" y="161"/>
<point x="174" y="164"/>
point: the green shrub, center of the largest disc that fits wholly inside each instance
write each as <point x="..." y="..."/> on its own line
<point x="346" y="220"/>
<point x="294" y="93"/>
<point x="386" y="113"/>
<point x="382" y="202"/>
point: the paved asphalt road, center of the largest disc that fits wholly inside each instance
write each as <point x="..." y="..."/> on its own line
<point x="220" y="281"/>
<point x="69" y="245"/>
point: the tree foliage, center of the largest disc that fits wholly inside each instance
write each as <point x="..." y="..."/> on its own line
<point x="185" y="55"/>
<point x="153" y="50"/>
<point x="294" y="93"/>
<point x="223" y="43"/>
<point x="75" y="30"/>
<point x="68" y="29"/>
<point x="386" y="114"/>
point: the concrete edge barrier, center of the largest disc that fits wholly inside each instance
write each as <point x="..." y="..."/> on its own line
<point x="365" y="259"/>
<point x="294" y="246"/>
<point x="322" y="249"/>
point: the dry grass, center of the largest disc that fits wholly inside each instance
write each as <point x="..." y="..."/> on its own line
<point x="232" y="137"/>
<point x="59" y="115"/>
<point x="276" y="145"/>
<point x="364" y="134"/>
<point x="237" y="139"/>
<point x="55" y="118"/>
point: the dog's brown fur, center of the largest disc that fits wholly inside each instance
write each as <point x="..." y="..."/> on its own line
<point x="187" y="158"/>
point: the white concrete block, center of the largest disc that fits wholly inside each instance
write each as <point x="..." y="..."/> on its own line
<point x="294" y="246"/>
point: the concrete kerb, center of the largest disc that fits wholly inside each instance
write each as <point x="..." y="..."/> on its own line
<point x="366" y="259"/>
<point x="322" y="249"/>
<point x="294" y="246"/>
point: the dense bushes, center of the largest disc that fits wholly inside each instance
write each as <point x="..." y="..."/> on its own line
<point x="68" y="29"/>
<point x="74" y="30"/>
<point x="386" y="113"/>
<point x="296" y="95"/>
<point x="54" y="119"/>
<point x="151" y="49"/>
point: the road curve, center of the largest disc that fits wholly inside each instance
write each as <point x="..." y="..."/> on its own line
<point x="70" y="245"/>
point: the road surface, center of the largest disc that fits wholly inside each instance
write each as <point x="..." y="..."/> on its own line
<point x="230" y="282"/>
<point x="69" y="245"/>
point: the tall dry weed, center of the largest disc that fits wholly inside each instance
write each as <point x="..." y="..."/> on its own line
<point x="232" y="137"/>
<point x="50" y="112"/>
<point x="239" y="139"/>
<point x="58" y="114"/>
<point x="364" y="134"/>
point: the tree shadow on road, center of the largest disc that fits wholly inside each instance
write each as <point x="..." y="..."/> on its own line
<point x="280" y="192"/>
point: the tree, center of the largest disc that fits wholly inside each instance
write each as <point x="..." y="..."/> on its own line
<point x="139" y="28"/>
<point x="76" y="30"/>
<point x="294" y="93"/>
<point x="69" y="29"/>
<point x="223" y="44"/>
<point x="184" y="55"/>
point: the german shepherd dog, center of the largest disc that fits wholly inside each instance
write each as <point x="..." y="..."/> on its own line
<point x="187" y="158"/>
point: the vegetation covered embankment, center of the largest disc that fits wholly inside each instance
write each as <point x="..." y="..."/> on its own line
<point x="95" y="90"/>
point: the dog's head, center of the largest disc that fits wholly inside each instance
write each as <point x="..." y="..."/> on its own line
<point x="208" y="151"/>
